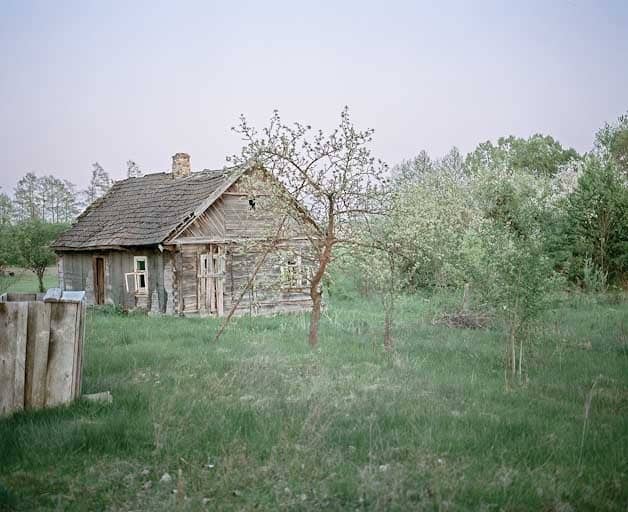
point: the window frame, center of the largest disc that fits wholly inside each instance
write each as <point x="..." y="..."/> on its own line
<point x="291" y="272"/>
<point x="137" y="276"/>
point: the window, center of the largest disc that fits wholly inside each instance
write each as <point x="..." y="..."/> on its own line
<point x="291" y="271"/>
<point x="203" y="265"/>
<point x="139" y="264"/>
<point x="140" y="275"/>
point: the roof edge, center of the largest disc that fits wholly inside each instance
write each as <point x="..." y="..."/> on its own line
<point x="202" y="207"/>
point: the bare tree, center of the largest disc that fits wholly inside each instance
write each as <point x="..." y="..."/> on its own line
<point x="133" y="170"/>
<point x="333" y="175"/>
<point x="99" y="184"/>
<point x="7" y="209"/>
<point x="26" y="198"/>
<point x="60" y="200"/>
<point x="68" y="202"/>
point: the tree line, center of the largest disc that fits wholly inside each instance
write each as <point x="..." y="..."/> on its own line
<point x="513" y="221"/>
<point x="510" y="222"/>
<point x="54" y="200"/>
<point x="39" y="210"/>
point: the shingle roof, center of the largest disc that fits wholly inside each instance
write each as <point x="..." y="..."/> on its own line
<point x="145" y="210"/>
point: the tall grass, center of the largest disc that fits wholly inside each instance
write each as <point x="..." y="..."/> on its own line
<point x="260" y="421"/>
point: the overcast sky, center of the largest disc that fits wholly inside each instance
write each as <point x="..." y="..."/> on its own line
<point x="108" y="81"/>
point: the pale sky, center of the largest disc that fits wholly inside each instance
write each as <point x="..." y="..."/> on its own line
<point x="90" y="81"/>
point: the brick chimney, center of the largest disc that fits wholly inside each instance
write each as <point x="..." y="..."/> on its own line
<point x="180" y="165"/>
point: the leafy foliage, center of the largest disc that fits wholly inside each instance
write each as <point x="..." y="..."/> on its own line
<point x="540" y="155"/>
<point x="47" y="198"/>
<point x="32" y="240"/>
<point x="612" y="142"/>
<point x="430" y="219"/>
<point x="334" y="175"/>
<point x="596" y="222"/>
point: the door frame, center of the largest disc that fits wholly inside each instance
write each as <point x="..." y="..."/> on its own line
<point x="211" y="266"/>
<point x="99" y="284"/>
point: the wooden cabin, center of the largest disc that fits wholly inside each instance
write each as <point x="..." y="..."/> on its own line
<point x="187" y="243"/>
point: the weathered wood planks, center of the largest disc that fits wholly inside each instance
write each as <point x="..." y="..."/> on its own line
<point x="41" y="351"/>
<point x="13" y="325"/>
<point x="37" y="354"/>
<point x="61" y="353"/>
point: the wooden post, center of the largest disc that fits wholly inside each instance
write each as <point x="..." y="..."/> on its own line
<point x="37" y="354"/>
<point x="63" y="320"/>
<point x="220" y="279"/>
<point x="13" y="332"/>
<point x="41" y="355"/>
<point x="78" y="352"/>
<point x="211" y="269"/>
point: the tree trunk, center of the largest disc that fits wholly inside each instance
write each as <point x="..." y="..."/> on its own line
<point x="40" y="278"/>
<point x="272" y="244"/>
<point x="315" y="317"/>
<point x="465" y="298"/>
<point x="389" y="303"/>
<point x="521" y="360"/>
<point x="315" y="291"/>
<point x="388" y="338"/>
<point x="513" y="354"/>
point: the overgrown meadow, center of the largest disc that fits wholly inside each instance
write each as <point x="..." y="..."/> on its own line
<point x="260" y="421"/>
<point x="394" y="408"/>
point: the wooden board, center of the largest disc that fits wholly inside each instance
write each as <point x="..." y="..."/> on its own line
<point x="61" y="353"/>
<point x="20" y="297"/>
<point x="79" y="337"/>
<point x="37" y="354"/>
<point x="13" y="332"/>
<point x="188" y="281"/>
<point x="219" y="269"/>
<point x="211" y="223"/>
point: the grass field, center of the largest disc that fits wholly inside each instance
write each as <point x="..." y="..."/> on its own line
<point x="261" y="422"/>
<point x="26" y="281"/>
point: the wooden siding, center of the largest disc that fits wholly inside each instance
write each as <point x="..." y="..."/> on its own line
<point x="78" y="275"/>
<point x="238" y="229"/>
<point x="188" y="284"/>
<point x="234" y="224"/>
<point x="210" y="224"/>
<point x="268" y="294"/>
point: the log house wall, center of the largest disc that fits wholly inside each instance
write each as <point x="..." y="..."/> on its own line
<point x="230" y="222"/>
<point x="78" y="275"/>
<point x="233" y="223"/>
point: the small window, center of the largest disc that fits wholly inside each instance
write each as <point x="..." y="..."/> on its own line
<point x="292" y="272"/>
<point x="140" y="275"/>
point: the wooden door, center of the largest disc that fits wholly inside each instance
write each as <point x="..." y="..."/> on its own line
<point x="211" y="271"/>
<point x="99" y="280"/>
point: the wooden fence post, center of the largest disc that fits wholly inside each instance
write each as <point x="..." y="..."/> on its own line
<point x="41" y="353"/>
<point x="37" y="354"/>
<point x="13" y="328"/>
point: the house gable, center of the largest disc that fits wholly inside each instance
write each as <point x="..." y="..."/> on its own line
<point x="209" y="225"/>
<point x="245" y="210"/>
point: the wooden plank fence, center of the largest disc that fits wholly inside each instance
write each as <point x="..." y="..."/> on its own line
<point x="41" y="349"/>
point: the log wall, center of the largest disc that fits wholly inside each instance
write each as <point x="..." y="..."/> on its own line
<point x="77" y="271"/>
<point x="240" y="228"/>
